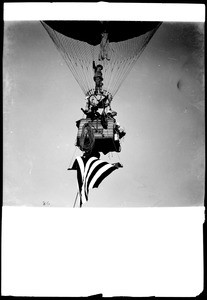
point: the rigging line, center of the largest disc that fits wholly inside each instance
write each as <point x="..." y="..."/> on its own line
<point x="110" y="66"/>
<point x="88" y="63"/>
<point x="73" y="48"/>
<point x="92" y="52"/>
<point x="81" y="79"/>
<point x="118" y="66"/>
<point x="131" y="47"/>
<point x="117" y="152"/>
<point x="70" y="57"/>
<point x="69" y="61"/>
<point x="86" y="74"/>
<point x="120" y="69"/>
<point x="69" y="45"/>
<point x="75" y="199"/>
<point x="116" y="75"/>
<point x="106" y="72"/>
<point x="81" y="61"/>
<point x="81" y="76"/>
<point x="123" y="75"/>
<point x="128" y="69"/>
<point x="127" y="64"/>
<point x="125" y="61"/>
<point x="91" y="75"/>
<point x="74" y="152"/>
<point x="104" y="64"/>
<point x="52" y="33"/>
<point x="74" y="72"/>
<point x="67" y="58"/>
<point x="112" y="78"/>
<point x="119" y="158"/>
<point x="109" y="75"/>
<point x="87" y="66"/>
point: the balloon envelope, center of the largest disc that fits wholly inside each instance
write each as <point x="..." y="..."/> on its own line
<point x="81" y="44"/>
<point x="90" y="31"/>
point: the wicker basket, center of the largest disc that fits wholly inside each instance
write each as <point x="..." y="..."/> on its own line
<point x="104" y="138"/>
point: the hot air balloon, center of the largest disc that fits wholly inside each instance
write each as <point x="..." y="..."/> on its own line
<point x="100" y="54"/>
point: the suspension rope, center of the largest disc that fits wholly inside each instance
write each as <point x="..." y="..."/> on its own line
<point x="73" y="155"/>
<point x="79" y="56"/>
<point x="78" y="62"/>
<point x="75" y="199"/>
<point x="117" y="153"/>
<point x="68" y="57"/>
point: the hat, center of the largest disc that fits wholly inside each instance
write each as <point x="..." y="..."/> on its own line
<point x="99" y="66"/>
<point x="114" y="113"/>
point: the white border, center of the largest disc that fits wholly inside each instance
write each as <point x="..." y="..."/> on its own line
<point x="104" y="11"/>
<point x="81" y="252"/>
<point x="116" y="252"/>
